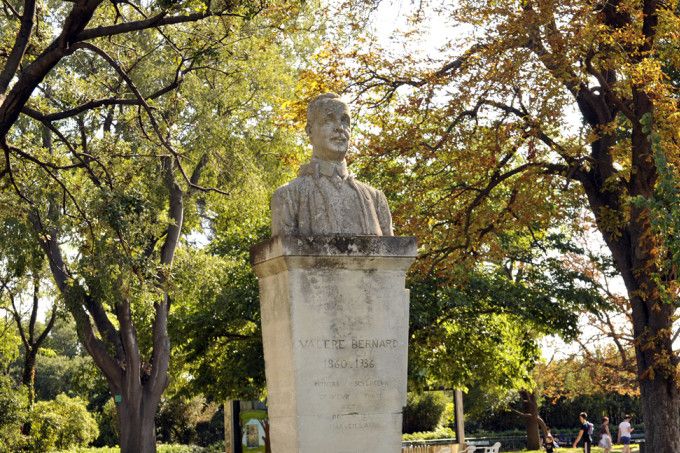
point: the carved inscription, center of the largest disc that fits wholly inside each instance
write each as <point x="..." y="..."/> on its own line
<point x="352" y="421"/>
<point x="353" y="343"/>
<point x="348" y="375"/>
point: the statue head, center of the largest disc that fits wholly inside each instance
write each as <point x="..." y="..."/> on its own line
<point x="328" y="123"/>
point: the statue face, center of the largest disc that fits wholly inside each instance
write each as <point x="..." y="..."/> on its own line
<point x="329" y="130"/>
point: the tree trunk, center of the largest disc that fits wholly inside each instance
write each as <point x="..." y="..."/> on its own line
<point x="661" y="415"/>
<point x="652" y="326"/>
<point x="533" y="436"/>
<point x="534" y="423"/>
<point x="657" y="369"/>
<point x="28" y="380"/>
<point x="136" y="419"/>
<point x="28" y="374"/>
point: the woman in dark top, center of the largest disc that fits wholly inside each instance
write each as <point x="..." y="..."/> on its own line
<point x="584" y="433"/>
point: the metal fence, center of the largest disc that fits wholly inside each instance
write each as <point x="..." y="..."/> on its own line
<point x="430" y="446"/>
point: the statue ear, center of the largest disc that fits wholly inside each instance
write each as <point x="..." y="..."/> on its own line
<point x="308" y="129"/>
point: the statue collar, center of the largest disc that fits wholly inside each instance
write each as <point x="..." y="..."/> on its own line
<point x="317" y="167"/>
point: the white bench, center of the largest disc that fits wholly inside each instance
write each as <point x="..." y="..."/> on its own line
<point x="495" y="448"/>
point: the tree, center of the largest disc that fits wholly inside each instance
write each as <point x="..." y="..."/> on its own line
<point x="488" y="127"/>
<point x="608" y="349"/>
<point x="219" y="341"/>
<point x="571" y="385"/>
<point x="99" y="105"/>
<point x="31" y="338"/>
<point x="486" y="325"/>
<point x="23" y="277"/>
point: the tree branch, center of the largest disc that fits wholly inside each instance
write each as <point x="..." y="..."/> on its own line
<point x="40" y="163"/>
<point x="625" y="109"/>
<point x="48" y="327"/>
<point x="148" y="110"/>
<point x="20" y="44"/>
<point x="158" y="20"/>
<point x="34" y="310"/>
<point x="158" y="378"/>
<point x="35" y="72"/>
<point x="11" y="9"/>
<point x="17" y="318"/>
<point x="129" y="340"/>
<point x="93" y="104"/>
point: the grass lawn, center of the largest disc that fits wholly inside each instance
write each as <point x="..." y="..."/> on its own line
<point x="616" y="449"/>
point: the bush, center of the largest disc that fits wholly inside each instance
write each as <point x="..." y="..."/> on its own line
<point x="423" y="411"/>
<point x="107" y="420"/>
<point x="440" y="433"/>
<point x="179" y="449"/>
<point x="61" y="423"/>
<point x="167" y="448"/>
<point x="189" y="421"/>
<point x="12" y="415"/>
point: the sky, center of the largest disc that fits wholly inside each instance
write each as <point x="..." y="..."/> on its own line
<point x="390" y="21"/>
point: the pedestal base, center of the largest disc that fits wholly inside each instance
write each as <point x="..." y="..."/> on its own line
<point x="335" y="333"/>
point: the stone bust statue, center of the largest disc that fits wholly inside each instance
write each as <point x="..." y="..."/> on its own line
<point x="325" y="199"/>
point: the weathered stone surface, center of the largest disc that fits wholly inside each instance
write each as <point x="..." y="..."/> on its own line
<point x="325" y="198"/>
<point x="335" y="329"/>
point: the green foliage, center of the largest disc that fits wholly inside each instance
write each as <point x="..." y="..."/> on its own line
<point x="439" y="433"/>
<point x="10" y="341"/>
<point x="13" y="403"/>
<point x="423" y="411"/>
<point x="477" y="326"/>
<point x="74" y="376"/>
<point x="161" y="448"/>
<point x="664" y="208"/>
<point x="234" y="80"/>
<point x="61" y="423"/>
<point x="107" y="421"/>
<point x="63" y="338"/>
<point x="180" y="449"/>
<point x="563" y="412"/>
<point x="19" y="251"/>
<point x="189" y="421"/>
<point x="215" y="326"/>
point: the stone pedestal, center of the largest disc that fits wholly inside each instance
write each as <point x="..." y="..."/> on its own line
<point x="335" y="331"/>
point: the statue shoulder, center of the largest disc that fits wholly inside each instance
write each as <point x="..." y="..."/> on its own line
<point x="293" y="187"/>
<point x="376" y="194"/>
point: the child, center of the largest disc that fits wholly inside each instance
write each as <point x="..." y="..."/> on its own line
<point x="605" y="435"/>
<point x="549" y="444"/>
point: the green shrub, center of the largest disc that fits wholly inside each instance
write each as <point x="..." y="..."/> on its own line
<point x="107" y="420"/>
<point x="440" y="433"/>
<point x="90" y="450"/>
<point x="61" y="423"/>
<point x="176" y="448"/>
<point x="189" y="421"/>
<point x="161" y="448"/>
<point x="12" y="415"/>
<point x="423" y="411"/>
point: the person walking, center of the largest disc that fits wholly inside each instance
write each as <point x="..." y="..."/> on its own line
<point x="605" y="436"/>
<point x="625" y="430"/>
<point x="549" y="444"/>
<point x="585" y="433"/>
